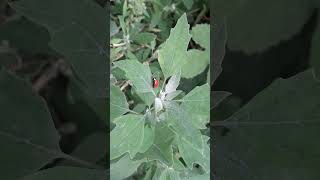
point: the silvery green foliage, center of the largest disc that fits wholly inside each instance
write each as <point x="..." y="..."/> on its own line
<point x="171" y="122"/>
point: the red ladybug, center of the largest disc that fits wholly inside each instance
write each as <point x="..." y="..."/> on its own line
<point x="155" y="83"/>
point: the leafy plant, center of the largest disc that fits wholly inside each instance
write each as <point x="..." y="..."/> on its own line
<point x="30" y="138"/>
<point x="76" y="36"/>
<point x="158" y="131"/>
<point x="271" y="136"/>
<point x="33" y="141"/>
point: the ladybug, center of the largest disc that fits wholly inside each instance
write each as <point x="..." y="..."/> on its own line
<point x="155" y="83"/>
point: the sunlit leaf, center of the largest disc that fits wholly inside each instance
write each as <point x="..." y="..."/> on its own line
<point x="124" y="168"/>
<point x="172" y="55"/>
<point x="118" y="102"/>
<point x="127" y="136"/>
<point x="139" y="74"/>
<point x="197" y="104"/>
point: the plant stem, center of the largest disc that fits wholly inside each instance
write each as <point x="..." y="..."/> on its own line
<point x="202" y="13"/>
<point x="124" y="85"/>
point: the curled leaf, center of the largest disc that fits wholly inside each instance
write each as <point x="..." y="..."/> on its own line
<point x="173" y="82"/>
<point x="158" y="105"/>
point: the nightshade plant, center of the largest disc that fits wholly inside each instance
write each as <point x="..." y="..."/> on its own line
<point x="158" y="132"/>
<point x="165" y="126"/>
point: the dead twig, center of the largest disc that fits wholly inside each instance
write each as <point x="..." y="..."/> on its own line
<point x="125" y="85"/>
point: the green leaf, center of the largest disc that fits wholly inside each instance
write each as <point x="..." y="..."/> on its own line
<point x="28" y="138"/>
<point x="194" y="154"/>
<point x="273" y="136"/>
<point x="169" y="174"/>
<point x="118" y="102"/>
<point x="262" y="28"/>
<point x="91" y="149"/>
<point x="193" y="176"/>
<point x="124" y="168"/>
<point x="144" y="38"/>
<point x="188" y="3"/>
<point x="118" y="73"/>
<point x="197" y="104"/>
<point x="157" y="174"/>
<point x="198" y="60"/>
<point x="148" y="138"/>
<point x="74" y="34"/>
<point x="201" y="35"/>
<point x="182" y="124"/>
<point x="139" y="108"/>
<point x="173" y="53"/>
<point x="191" y="143"/>
<point x="113" y="28"/>
<point x="156" y="14"/>
<point x="173" y="95"/>
<point x="130" y="55"/>
<point x="68" y="173"/>
<point x="161" y="148"/>
<point x="127" y="136"/>
<point x="139" y="74"/>
<point x="147" y="98"/>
